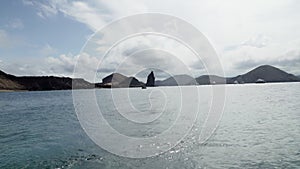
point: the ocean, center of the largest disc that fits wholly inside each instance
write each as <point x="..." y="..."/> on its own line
<point x="259" y="128"/>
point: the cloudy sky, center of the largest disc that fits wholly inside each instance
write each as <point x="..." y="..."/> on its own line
<point x="45" y="37"/>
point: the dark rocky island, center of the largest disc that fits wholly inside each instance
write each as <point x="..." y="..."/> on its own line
<point x="150" y="80"/>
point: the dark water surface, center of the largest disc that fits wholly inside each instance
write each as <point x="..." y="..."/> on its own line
<point x="260" y="128"/>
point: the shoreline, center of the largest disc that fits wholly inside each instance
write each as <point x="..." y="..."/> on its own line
<point x="228" y="84"/>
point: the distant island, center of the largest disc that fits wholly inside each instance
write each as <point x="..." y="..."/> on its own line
<point x="261" y="74"/>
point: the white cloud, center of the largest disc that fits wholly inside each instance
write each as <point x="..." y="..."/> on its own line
<point x="147" y="51"/>
<point x="82" y="12"/>
<point x="129" y="58"/>
<point x="65" y="65"/>
<point x="28" y="2"/>
<point x="26" y="67"/>
<point x="45" y="11"/>
<point x="77" y="10"/>
<point x="95" y="14"/>
<point x="258" y="41"/>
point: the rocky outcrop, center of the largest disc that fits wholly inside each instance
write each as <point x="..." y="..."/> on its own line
<point x="150" y="80"/>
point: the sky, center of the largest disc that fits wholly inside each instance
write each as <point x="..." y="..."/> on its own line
<point x="46" y="37"/>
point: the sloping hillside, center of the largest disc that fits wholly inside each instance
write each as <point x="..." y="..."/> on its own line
<point x="177" y="80"/>
<point x="8" y="82"/>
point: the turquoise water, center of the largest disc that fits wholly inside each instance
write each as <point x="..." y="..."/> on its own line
<point x="260" y="128"/>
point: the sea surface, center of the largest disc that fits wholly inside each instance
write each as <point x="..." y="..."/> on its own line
<point x="260" y="128"/>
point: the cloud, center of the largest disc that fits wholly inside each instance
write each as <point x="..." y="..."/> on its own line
<point x="244" y="33"/>
<point x="290" y="61"/>
<point x="63" y="63"/>
<point x="15" y="24"/>
<point x="78" y="10"/>
<point x="26" y="67"/>
<point x="146" y="52"/>
<point x="94" y="14"/>
<point x="28" y="2"/>
<point x="79" y="66"/>
<point x="47" y="50"/>
<point x="82" y="12"/>
<point x="258" y="41"/>
<point x="44" y="10"/>
<point x="153" y="58"/>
